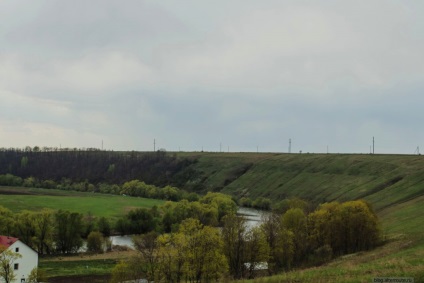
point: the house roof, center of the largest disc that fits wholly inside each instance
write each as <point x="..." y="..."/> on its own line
<point x="7" y="241"/>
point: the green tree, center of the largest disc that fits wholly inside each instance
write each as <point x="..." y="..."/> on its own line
<point x="44" y="231"/>
<point x="7" y="259"/>
<point x="104" y="226"/>
<point x="171" y="256"/>
<point x="224" y="203"/>
<point x="148" y="249"/>
<point x="295" y="221"/>
<point x="348" y="227"/>
<point x="95" y="242"/>
<point x="37" y="275"/>
<point x="6" y="221"/>
<point x="202" y="252"/>
<point x="68" y="231"/>
<point x="233" y="235"/>
<point x="120" y="272"/>
<point x="25" y="227"/>
<point x="141" y="221"/>
<point x="257" y="250"/>
<point x="280" y="241"/>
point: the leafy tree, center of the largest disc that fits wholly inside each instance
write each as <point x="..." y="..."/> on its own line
<point x="224" y="203"/>
<point x="262" y="203"/>
<point x="280" y="241"/>
<point x="233" y="235"/>
<point x="7" y="258"/>
<point x="348" y="227"/>
<point x="25" y="227"/>
<point x="148" y="248"/>
<point x="246" y="202"/>
<point x="257" y="250"/>
<point x="295" y="220"/>
<point x="37" y="275"/>
<point x="171" y="256"/>
<point x="68" y="231"/>
<point x="95" y="242"/>
<point x="104" y="226"/>
<point x="203" y="252"/>
<point x="286" y="204"/>
<point x="141" y="221"/>
<point x="44" y="230"/>
<point x="6" y="221"/>
<point x="120" y="272"/>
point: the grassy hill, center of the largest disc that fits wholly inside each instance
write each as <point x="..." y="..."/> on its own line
<point x="384" y="180"/>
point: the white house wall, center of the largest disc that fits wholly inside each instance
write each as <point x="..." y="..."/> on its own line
<point x="27" y="262"/>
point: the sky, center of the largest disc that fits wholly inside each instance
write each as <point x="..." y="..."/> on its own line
<point x="190" y="75"/>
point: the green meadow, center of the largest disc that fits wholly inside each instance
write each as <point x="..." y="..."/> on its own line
<point x="110" y="206"/>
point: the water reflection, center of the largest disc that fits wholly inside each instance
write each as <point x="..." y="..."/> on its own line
<point x="253" y="216"/>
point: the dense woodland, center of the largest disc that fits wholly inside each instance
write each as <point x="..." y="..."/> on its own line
<point x="96" y="166"/>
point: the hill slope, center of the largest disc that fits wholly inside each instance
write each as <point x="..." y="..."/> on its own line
<point x="384" y="180"/>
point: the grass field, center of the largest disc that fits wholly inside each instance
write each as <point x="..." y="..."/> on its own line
<point x="110" y="206"/>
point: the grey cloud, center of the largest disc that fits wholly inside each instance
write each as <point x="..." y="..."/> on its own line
<point x="197" y="74"/>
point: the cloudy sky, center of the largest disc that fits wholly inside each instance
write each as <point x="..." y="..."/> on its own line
<point x="239" y="75"/>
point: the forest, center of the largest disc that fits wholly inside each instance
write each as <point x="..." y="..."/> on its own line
<point x="95" y="166"/>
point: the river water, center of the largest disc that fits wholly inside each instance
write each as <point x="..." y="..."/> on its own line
<point x="253" y="216"/>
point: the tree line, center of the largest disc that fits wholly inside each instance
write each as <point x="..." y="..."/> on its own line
<point x="97" y="166"/>
<point x="195" y="252"/>
<point x="135" y="188"/>
<point x="62" y="232"/>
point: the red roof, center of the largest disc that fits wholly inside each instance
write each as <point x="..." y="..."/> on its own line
<point x="7" y="241"/>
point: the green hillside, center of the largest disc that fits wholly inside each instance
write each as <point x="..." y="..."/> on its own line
<point x="384" y="180"/>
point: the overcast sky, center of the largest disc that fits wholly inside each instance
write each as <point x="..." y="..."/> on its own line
<point x="241" y="75"/>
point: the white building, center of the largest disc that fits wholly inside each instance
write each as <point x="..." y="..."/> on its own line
<point x="23" y="266"/>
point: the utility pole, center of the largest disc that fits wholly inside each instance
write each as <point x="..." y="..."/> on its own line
<point x="373" y="144"/>
<point x="289" y="145"/>
<point x="154" y="145"/>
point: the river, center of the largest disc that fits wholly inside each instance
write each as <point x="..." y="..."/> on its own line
<point x="253" y="216"/>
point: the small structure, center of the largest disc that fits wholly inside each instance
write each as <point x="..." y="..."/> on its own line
<point x="23" y="266"/>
